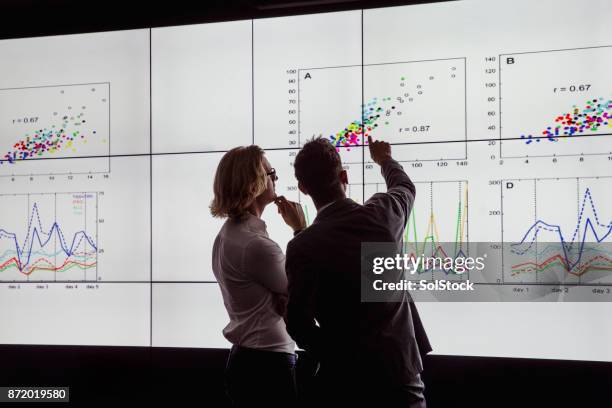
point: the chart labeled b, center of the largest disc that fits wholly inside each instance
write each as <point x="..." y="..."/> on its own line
<point x="556" y="103"/>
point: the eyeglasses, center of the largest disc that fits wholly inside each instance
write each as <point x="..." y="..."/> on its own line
<point x="272" y="173"/>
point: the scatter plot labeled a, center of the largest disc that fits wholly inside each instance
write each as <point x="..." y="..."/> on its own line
<point x="419" y="103"/>
<point x="41" y="124"/>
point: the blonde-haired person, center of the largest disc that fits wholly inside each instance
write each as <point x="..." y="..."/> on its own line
<point x="250" y="269"/>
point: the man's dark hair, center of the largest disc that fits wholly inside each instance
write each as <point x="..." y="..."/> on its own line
<point x="317" y="167"/>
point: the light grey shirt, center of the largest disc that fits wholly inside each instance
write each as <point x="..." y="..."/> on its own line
<point x="250" y="269"/>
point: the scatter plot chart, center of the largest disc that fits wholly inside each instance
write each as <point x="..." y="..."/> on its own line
<point x="50" y="237"/>
<point x="412" y="103"/>
<point x="437" y="226"/>
<point x="557" y="231"/>
<point x="55" y="122"/>
<point x="556" y="103"/>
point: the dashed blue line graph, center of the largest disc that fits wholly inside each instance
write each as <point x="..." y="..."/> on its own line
<point x="45" y="252"/>
<point x="553" y="249"/>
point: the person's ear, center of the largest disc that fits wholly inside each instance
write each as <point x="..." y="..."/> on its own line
<point x="344" y="177"/>
<point x="302" y="188"/>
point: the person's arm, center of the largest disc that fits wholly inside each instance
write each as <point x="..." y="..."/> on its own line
<point x="264" y="261"/>
<point x="292" y="214"/>
<point x="300" y="318"/>
<point x="401" y="191"/>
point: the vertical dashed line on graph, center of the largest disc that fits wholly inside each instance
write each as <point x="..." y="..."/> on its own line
<point x="535" y="219"/>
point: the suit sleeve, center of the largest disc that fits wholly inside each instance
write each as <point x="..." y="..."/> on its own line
<point x="300" y="318"/>
<point x="399" y="198"/>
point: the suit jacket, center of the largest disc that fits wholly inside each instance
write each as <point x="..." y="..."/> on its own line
<point x="325" y="314"/>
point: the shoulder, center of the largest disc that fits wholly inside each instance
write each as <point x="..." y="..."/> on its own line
<point x="303" y="240"/>
<point x="256" y="244"/>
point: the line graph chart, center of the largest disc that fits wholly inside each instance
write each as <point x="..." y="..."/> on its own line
<point x="437" y="226"/>
<point x="557" y="231"/>
<point x="56" y="239"/>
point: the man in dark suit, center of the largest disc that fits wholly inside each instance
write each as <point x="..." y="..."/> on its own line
<point x="369" y="352"/>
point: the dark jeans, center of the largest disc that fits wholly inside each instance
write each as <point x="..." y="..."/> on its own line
<point x="255" y="378"/>
<point x="341" y="387"/>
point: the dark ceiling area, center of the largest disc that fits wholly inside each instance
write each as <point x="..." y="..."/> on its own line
<point x="31" y="18"/>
